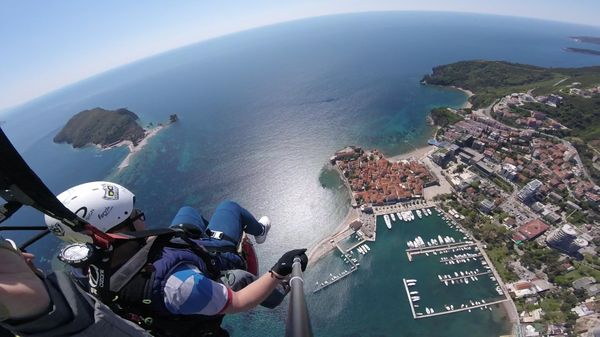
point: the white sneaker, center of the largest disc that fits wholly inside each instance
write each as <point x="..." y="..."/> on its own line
<point x="266" y="222"/>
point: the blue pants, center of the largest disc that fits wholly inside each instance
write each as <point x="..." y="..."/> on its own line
<point x="229" y="218"/>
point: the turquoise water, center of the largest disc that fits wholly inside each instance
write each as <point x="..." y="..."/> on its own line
<point x="260" y="113"/>
<point x="372" y="301"/>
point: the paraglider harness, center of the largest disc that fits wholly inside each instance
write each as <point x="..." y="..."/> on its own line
<point x="130" y="285"/>
<point x="19" y="186"/>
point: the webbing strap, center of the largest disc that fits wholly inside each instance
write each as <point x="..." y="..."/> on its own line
<point x="127" y="271"/>
<point x="18" y="183"/>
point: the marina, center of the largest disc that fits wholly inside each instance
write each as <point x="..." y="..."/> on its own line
<point x="391" y="214"/>
<point x="447" y="246"/>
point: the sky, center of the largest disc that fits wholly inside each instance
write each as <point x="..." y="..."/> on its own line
<point x="45" y="45"/>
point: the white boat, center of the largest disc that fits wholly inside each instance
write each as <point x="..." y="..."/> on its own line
<point x="414" y="292"/>
<point x="367" y="247"/>
<point x="419" y="214"/>
<point x="428" y="311"/>
<point x="415" y="298"/>
<point x="411" y="280"/>
<point x="393" y="216"/>
<point x="399" y="217"/>
<point x="410" y="284"/>
<point x="388" y="223"/>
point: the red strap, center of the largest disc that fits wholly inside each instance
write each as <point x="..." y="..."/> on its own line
<point x="101" y="239"/>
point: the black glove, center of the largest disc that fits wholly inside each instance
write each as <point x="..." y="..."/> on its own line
<point x="283" y="267"/>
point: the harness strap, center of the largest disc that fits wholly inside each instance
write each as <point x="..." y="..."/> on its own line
<point x="127" y="271"/>
<point x="221" y="236"/>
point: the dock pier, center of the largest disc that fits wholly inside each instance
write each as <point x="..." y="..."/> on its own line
<point x="439" y="248"/>
<point x="465" y="276"/>
<point x="474" y="256"/>
<point x="402" y="207"/>
<point x="459" y="309"/>
<point x="353" y="267"/>
<point x="410" y="302"/>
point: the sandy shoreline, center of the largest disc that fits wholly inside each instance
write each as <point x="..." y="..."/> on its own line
<point x="316" y="252"/>
<point x="467" y="104"/>
<point x="133" y="149"/>
<point x="416" y="154"/>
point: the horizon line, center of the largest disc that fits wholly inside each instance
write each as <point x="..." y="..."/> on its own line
<point x="6" y="110"/>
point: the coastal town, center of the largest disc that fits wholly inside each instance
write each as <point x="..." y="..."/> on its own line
<point x="518" y="190"/>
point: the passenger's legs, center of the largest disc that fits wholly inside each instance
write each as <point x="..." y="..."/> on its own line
<point x="232" y="219"/>
<point x="189" y="215"/>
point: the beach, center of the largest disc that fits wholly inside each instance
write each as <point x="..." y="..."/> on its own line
<point x="416" y="154"/>
<point x="324" y="246"/>
<point x="133" y="149"/>
<point x="469" y="93"/>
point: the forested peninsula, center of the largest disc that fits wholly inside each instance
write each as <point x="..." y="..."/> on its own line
<point x="490" y="80"/>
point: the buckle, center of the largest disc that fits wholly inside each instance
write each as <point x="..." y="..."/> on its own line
<point x="216" y="235"/>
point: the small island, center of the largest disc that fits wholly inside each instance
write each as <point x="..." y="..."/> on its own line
<point x="101" y="127"/>
<point x="586" y="39"/>
<point x="107" y="129"/>
<point x="583" y="51"/>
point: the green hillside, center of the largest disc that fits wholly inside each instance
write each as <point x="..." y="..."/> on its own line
<point x="101" y="127"/>
<point x="490" y="80"/>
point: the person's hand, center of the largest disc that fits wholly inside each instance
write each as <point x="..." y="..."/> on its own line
<point x="22" y="292"/>
<point x="283" y="267"/>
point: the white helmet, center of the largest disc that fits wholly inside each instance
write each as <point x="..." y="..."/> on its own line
<point x="103" y="204"/>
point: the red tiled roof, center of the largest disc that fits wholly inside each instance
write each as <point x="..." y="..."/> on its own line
<point x="531" y="230"/>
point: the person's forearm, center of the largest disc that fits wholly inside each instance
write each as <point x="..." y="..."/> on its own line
<point x="22" y="292"/>
<point x="252" y="295"/>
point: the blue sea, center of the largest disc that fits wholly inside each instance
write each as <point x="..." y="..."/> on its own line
<point x="260" y="113"/>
